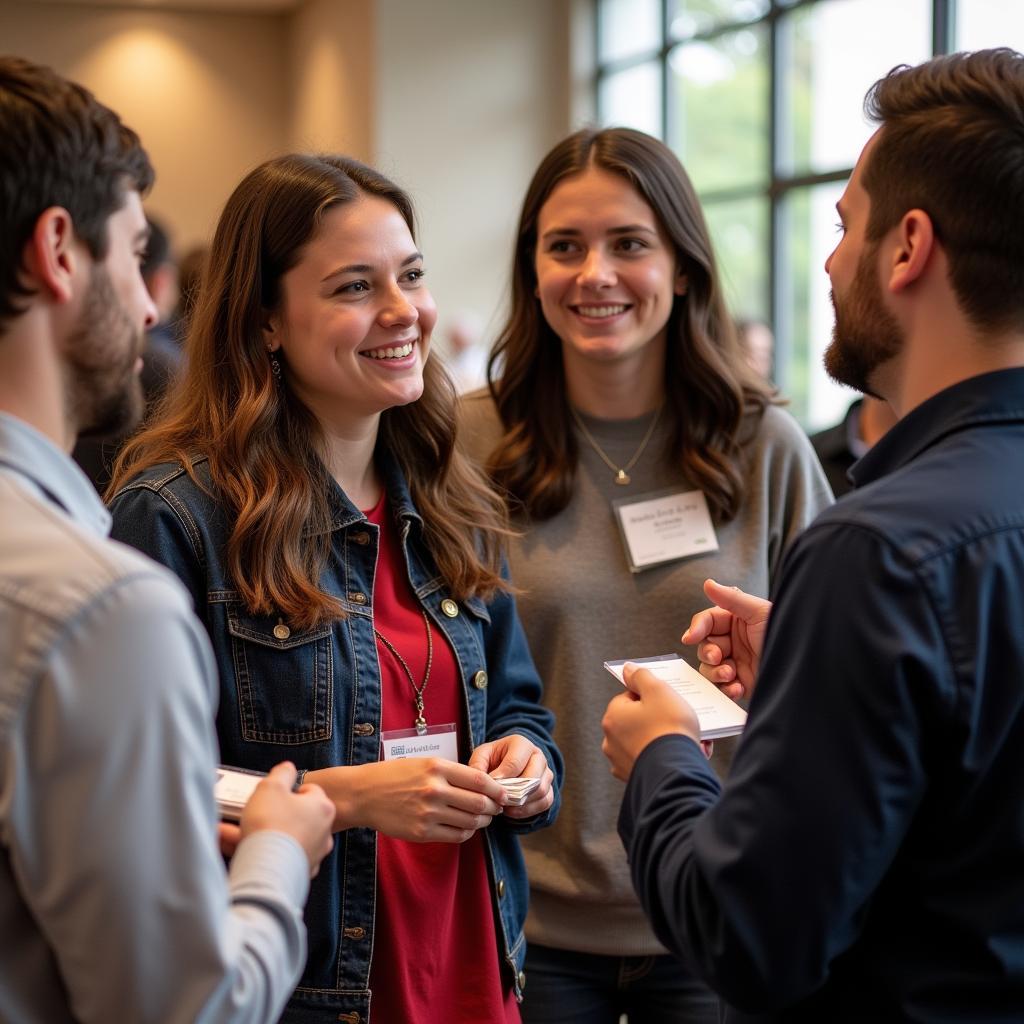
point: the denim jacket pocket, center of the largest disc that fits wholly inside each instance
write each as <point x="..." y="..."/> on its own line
<point x="284" y="678"/>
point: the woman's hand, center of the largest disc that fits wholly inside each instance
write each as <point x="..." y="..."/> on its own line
<point x="420" y="799"/>
<point x="513" y="757"/>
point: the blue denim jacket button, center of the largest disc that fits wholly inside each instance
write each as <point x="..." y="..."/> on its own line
<point x="480" y="680"/>
<point x="362" y="537"/>
<point x="357" y="598"/>
<point x="363" y="729"/>
<point x="449" y="607"/>
<point x="281" y="631"/>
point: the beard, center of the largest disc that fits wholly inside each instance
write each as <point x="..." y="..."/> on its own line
<point x="866" y="334"/>
<point x="103" y="389"/>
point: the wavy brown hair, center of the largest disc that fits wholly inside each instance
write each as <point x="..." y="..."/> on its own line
<point x="708" y="386"/>
<point x="265" y="448"/>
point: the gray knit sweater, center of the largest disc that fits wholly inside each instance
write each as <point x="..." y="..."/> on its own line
<point x="581" y="606"/>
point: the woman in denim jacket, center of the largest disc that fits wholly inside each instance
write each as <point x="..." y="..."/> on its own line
<point x="302" y="480"/>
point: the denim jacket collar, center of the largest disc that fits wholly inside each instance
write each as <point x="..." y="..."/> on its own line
<point x="35" y="457"/>
<point x="989" y="398"/>
<point x="344" y="513"/>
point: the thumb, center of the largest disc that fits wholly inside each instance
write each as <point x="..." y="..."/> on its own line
<point x="637" y="679"/>
<point x="284" y="774"/>
<point x="752" y="610"/>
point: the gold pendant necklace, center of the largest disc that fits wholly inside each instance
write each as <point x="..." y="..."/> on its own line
<point x="421" y="721"/>
<point x="622" y="477"/>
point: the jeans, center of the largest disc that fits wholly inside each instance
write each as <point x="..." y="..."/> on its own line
<point x="565" y="987"/>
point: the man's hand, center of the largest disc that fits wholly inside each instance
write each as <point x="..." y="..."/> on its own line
<point x="648" y="709"/>
<point x="730" y="638"/>
<point x="306" y="815"/>
<point x="514" y="757"/>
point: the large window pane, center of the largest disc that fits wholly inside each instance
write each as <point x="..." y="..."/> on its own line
<point x="807" y="235"/>
<point x="628" y="28"/>
<point x="831" y="54"/>
<point x="632" y="98"/>
<point x="720" y="102"/>
<point x="739" y="231"/>
<point x="984" y="23"/>
<point x="688" y="18"/>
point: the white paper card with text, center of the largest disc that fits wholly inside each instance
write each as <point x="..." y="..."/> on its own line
<point x="664" y="526"/>
<point x="718" y="715"/>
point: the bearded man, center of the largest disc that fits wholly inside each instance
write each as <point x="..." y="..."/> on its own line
<point x="865" y="861"/>
<point x="114" y="902"/>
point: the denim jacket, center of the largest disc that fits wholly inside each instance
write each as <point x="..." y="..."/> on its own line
<point x="313" y="697"/>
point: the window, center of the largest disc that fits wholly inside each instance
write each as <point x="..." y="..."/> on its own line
<point x="762" y="100"/>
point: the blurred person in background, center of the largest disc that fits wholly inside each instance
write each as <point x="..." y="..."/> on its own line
<point x="758" y="344"/>
<point x="839" y="447"/>
<point x="466" y="356"/>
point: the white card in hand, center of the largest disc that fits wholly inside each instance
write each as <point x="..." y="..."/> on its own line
<point x="717" y="714"/>
<point x="232" y="790"/>
<point x="518" y="789"/>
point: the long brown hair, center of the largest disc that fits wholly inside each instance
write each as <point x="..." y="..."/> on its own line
<point x="708" y="387"/>
<point x="265" y="447"/>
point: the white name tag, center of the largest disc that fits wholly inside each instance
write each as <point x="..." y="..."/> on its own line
<point x="438" y="741"/>
<point x="664" y="526"/>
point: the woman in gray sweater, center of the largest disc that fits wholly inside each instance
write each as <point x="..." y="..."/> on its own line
<point x="641" y="456"/>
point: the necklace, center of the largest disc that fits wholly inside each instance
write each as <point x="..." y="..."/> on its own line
<point x="622" y="476"/>
<point x="421" y="722"/>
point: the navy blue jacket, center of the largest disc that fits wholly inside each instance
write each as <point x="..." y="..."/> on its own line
<point x="865" y="861"/>
<point x="314" y="698"/>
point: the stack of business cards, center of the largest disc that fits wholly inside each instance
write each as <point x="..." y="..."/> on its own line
<point x="518" y="789"/>
<point x="232" y="790"/>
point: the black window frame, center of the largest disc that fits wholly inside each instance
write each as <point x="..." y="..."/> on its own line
<point x="779" y="187"/>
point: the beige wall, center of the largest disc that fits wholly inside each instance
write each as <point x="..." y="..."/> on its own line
<point x="332" y="77"/>
<point x="471" y="94"/>
<point x="205" y="91"/>
<point x="457" y="99"/>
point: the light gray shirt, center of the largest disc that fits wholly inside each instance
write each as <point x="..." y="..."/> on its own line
<point x="114" y="902"/>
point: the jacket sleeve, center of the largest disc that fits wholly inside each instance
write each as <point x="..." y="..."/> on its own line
<point x="114" y="835"/>
<point x="763" y="888"/>
<point x="514" y="699"/>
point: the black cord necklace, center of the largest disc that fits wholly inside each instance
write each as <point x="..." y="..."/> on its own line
<point x="421" y="722"/>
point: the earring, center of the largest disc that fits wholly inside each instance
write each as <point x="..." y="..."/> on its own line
<point x="275" y="367"/>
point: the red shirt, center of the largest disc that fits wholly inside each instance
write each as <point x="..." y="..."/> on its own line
<point x="435" y="948"/>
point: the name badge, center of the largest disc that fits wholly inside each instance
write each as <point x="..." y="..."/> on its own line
<point x="438" y="741"/>
<point x="663" y="527"/>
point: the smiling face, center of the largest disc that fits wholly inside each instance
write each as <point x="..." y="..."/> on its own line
<point x="606" y="271"/>
<point x="355" y="318"/>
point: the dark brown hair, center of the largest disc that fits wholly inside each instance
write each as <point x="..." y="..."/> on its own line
<point x="264" y="446"/>
<point x="60" y="147"/>
<point x="952" y="144"/>
<point x="708" y="387"/>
